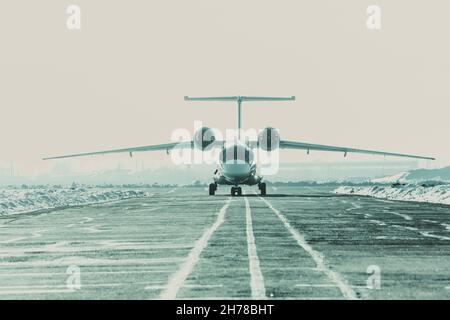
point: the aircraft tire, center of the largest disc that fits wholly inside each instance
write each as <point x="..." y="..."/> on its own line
<point x="262" y="187"/>
<point x="212" y="189"/>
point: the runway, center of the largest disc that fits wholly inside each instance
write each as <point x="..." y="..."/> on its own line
<point x="295" y="243"/>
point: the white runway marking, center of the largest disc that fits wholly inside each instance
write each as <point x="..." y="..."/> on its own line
<point x="13" y="240"/>
<point x="317" y="285"/>
<point x="12" y="292"/>
<point x="404" y="216"/>
<point x="175" y="282"/>
<point x="41" y="289"/>
<point x="86" y="220"/>
<point x="144" y="210"/>
<point x="429" y="235"/>
<point x="85" y="261"/>
<point x="42" y="274"/>
<point x="94" y="229"/>
<point x="404" y="227"/>
<point x="378" y="222"/>
<point x="345" y="289"/>
<point x="159" y="287"/>
<point x="101" y="245"/>
<point x="353" y="207"/>
<point x="256" y="277"/>
<point x="445" y="225"/>
<point x="37" y="234"/>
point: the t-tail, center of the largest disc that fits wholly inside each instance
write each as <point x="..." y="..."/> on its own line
<point x="239" y="100"/>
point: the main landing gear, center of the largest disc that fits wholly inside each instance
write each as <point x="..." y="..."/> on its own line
<point x="236" y="191"/>
<point x="212" y="189"/>
<point x="262" y="188"/>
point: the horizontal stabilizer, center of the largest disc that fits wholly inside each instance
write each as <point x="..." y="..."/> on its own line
<point x="239" y="98"/>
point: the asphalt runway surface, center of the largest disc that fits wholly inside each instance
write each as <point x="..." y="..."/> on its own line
<point x="295" y="243"/>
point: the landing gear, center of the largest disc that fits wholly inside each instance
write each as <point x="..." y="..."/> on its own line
<point x="236" y="191"/>
<point x="212" y="189"/>
<point x="262" y="188"/>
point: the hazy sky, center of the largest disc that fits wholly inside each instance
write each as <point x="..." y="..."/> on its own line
<point x="120" y="80"/>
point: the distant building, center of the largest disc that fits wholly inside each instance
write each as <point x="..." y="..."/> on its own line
<point x="7" y="172"/>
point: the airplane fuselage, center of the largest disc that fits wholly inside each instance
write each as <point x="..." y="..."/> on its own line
<point x="237" y="166"/>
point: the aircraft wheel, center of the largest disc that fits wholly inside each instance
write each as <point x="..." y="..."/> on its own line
<point x="212" y="189"/>
<point x="239" y="191"/>
<point x="233" y="191"/>
<point x="262" y="187"/>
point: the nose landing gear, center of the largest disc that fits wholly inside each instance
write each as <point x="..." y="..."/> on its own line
<point x="236" y="191"/>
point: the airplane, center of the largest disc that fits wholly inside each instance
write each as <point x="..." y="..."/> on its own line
<point x="236" y="163"/>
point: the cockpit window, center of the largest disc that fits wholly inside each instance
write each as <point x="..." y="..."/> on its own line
<point x="236" y="154"/>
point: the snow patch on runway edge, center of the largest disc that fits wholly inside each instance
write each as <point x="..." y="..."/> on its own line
<point x="435" y="194"/>
<point x="16" y="201"/>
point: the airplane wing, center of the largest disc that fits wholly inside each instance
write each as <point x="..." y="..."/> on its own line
<point x="284" y="144"/>
<point x="166" y="146"/>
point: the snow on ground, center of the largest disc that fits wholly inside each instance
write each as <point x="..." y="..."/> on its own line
<point x="411" y="192"/>
<point x="13" y="201"/>
<point x="400" y="177"/>
<point x="417" y="176"/>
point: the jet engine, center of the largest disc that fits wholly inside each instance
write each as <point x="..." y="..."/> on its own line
<point x="269" y="139"/>
<point x="204" y="138"/>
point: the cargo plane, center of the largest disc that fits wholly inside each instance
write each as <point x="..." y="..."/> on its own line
<point x="236" y="160"/>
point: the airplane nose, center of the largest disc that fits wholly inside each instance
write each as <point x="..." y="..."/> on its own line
<point x="234" y="170"/>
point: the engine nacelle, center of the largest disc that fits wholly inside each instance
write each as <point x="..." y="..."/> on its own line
<point x="204" y="138"/>
<point x="269" y="139"/>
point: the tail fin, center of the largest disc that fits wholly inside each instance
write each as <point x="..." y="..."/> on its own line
<point x="239" y="100"/>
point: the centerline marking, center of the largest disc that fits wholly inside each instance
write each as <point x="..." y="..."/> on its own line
<point x="345" y="289"/>
<point x="256" y="277"/>
<point x="177" y="280"/>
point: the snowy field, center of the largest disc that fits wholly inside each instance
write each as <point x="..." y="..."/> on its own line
<point x="14" y="201"/>
<point x="409" y="192"/>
